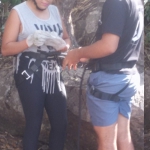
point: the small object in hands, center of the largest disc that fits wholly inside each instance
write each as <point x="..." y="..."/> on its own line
<point x="40" y="38"/>
<point x="37" y="38"/>
<point x="55" y="41"/>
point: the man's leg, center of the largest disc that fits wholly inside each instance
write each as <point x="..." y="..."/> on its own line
<point x="104" y="116"/>
<point x="105" y="113"/>
<point x="106" y="137"/>
<point x="124" y="141"/>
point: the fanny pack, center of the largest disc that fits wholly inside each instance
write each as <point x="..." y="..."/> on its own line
<point x="39" y="57"/>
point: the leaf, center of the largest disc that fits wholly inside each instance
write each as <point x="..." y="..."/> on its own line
<point x="147" y="38"/>
<point x="11" y="2"/>
<point x="4" y="1"/>
<point x="147" y="13"/>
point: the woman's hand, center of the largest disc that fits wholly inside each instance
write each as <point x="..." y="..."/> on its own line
<point x="55" y="41"/>
<point x="38" y="38"/>
<point x="65" y="49"/>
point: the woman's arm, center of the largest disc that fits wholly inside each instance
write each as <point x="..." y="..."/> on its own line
<point x="66" y="36"/>
<point x="10" y="45"/>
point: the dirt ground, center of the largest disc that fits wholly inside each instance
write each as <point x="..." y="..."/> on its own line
<point x="147" y="140"/>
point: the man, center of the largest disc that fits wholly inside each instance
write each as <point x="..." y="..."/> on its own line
<point x="114" y="78"/>
<point x="29" y="34"/>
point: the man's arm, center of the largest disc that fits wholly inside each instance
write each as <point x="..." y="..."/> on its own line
<point x="104" y="47"/>
<point x="10" y="46"/>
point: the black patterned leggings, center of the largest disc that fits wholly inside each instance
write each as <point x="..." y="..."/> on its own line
<point x="34" y="100"/>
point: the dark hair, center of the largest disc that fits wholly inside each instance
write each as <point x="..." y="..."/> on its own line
<point x="37" y="5"/>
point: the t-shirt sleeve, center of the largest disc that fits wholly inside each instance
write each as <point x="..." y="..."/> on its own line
<point x="114" y="17"/>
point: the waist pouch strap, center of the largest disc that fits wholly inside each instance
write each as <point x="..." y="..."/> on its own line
<point x="107" y="96"/>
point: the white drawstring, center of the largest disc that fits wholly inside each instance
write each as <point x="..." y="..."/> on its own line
<point x="50" y="76"/>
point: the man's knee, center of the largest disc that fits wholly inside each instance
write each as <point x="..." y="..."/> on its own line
<point x="106" y="135"/>
<point x="123" y="131"/>
<point x="124" y="136"/>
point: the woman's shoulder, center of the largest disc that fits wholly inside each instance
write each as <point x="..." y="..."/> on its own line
<point x="53" y="7"/>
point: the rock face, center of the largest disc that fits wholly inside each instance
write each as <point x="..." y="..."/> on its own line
<point x="147" y="100"/>
<point x="81" y="18"/>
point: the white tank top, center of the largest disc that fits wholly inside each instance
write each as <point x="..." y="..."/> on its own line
<point x="30" y="22"/>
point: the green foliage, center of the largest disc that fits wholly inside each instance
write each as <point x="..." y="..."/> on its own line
<point x="147" y="38"/>
<point x="147" y="23"/>
<point x="11" y="2"/>
<point x="147" y="12"/>
<point x="5" y="7"/>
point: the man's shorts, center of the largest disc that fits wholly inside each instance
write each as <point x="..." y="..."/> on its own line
<point x="105" y="112"/>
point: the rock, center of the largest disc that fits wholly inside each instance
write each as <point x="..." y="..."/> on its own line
<point x="137" y="119"/>
<point x="11" y="112"/>
<point x="140" y="63"/>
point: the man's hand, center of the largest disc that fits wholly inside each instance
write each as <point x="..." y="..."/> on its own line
<point x="72" y="58"/>
<point x="84" y="60"/>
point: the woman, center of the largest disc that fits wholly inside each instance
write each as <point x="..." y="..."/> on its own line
<point x="27" y="36"/>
